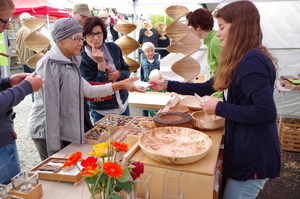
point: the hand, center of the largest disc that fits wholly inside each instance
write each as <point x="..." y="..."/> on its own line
<point x="17" y="78"/>
<point x="157" y="85"/>
<point x="114" y="75"/>
<point x="127" y="84"/>
<point x="35" y="81"/>
<point x="98" y="55"/>
<point x="209" y="106"/>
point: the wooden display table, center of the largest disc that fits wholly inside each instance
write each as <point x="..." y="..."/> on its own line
<point x="197" y="178"/>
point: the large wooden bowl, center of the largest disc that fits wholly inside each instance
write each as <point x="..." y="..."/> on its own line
<point x="175" y="145"/>
<point x="172" y="119"/>
<point x="203" y="121"/>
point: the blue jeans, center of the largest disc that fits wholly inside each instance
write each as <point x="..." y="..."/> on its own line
<point x="96" y="116"/>
<point x="248" y="189"/>
<point x="9" y="162"/>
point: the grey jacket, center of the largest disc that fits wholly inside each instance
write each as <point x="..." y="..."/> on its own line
<point x="57" y="112"/>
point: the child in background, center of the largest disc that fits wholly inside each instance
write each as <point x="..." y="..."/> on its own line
<point x="149" y="63"/>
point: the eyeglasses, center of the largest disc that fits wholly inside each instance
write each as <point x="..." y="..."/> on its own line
<point x="5" y="22"/>
<point x="77" y="39"/>
<point x="93" y="34"/>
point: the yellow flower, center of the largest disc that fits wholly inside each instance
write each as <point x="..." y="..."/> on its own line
<point x="100" y="150"/>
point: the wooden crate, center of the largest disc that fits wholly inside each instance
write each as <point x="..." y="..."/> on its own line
<point x="290" y="137"/>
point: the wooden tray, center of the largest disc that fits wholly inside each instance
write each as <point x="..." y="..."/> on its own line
<point x="57" y="174"/>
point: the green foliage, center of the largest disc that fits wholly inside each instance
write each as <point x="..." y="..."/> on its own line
<point x="155" y="19"/>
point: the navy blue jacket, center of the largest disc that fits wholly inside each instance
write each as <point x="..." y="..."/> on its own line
<point x="89" y="71"/>
<point x="10" y="97"/>
<point x="251" y="137"/>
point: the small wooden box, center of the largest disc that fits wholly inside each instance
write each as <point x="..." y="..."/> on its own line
<point x="57" y="175"/>
<point x="290" y="137"/>
<point x="35" y="193"/>
<point x="113" y="119"/>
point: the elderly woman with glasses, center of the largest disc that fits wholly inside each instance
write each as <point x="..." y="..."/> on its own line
<point x="108" y="66"/>
<point x="56" y="117"/>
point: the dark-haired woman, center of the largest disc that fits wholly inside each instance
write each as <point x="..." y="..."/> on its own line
<point x="246" y="75"/>
<point x="109" y="66"/>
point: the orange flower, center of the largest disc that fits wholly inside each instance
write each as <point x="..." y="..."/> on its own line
<point x="73" y="159"/>
<point x="112" y="169"/>
<point x="91" y="167"/>
<point x="122" y="147"/>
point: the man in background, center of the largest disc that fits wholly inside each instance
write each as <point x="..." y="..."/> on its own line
<point x="23" y="52"/>
<point x="81" y="12"/>
<point x="112" y="34"/>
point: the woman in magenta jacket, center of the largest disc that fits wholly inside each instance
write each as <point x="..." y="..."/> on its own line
<point x="246" y="75"/>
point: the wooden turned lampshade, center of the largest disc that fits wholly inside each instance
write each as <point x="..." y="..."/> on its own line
<point x="186" y="45"/>
<point x="34" y="24"/>
<point x="124" y="28"/>
<point x="187" y="67"/>
<point x="127" y="44"/>
<point x="32" y="61"/>
<point x="177" y="30"/>
<point x="177" y="11"/>
<point x="133" y="65"/>
<point x="36" y="41"/>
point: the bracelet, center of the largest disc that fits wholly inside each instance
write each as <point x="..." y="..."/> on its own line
<point x="165" y="85"/>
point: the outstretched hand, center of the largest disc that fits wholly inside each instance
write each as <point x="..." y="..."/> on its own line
<point x="130" y="86"/>
<point x="156" y="85"/>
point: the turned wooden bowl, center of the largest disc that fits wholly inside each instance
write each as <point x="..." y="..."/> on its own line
<point x="133" y="65"/>
<point x="175" y="145"/>
<point x="203" y="121"/>
<point x="191" y="102"/>
<point x="124" y="28"/>
<point x="172" y="119"/>
<point x="176" y="11"/>
<point x="36" y="41"/>
<point x="179" y="108"/>
<point x="127" y="44"/>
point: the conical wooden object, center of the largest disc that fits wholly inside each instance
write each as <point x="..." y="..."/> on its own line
<point x="177" y="11"/>
<point x="133" y="65"/>
<point x="32" y="61"/>
<point x="127" y="44"/>
<point x="34" y="24"/>
<point x="36" y="41"/>
<point x="186" y="45"/>
<point x="124" y="28"/>
<point x="187" y="67"/>
<point x="177" y="30"/>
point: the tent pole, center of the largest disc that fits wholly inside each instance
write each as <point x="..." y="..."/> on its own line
<point x="48" y="23"/>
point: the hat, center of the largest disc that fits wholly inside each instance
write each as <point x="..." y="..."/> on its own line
<point x="64" y="28"/>
<point x="82" y="9"/>
<point x="24" y="16"/>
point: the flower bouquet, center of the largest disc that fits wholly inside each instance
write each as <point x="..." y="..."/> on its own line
<point x="103" y="174"/>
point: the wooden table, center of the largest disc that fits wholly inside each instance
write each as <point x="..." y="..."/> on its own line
<point x="197" y="179"/>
